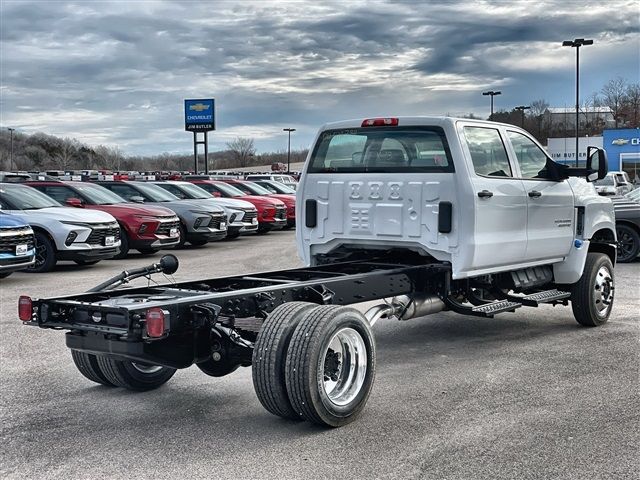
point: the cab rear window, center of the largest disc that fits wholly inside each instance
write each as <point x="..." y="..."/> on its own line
<point x="381" y="150"/>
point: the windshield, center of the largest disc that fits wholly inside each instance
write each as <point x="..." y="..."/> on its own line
<point x="21" y="197"/>
<point x="193" y="191"/>
<point x="156" y="193"/>
<point x="277" y="187"/>
<point x="224" y="188"/>
<point x="605" y="181"/>
<point x="634" y="195"/>
<point x="97" y="195"/>
<point x="250" y="188"/>
<point x="381" y="150"/>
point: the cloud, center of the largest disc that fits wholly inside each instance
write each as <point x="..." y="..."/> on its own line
<point x="117" y="72"/>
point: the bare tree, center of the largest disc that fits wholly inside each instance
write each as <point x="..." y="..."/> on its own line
<point x="613" y="96"/>
<point x="66" y="154"/>
<point x="243" y="150"/>
<point x="632" y="98"/>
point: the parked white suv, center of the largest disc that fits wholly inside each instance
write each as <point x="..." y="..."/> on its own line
<point x="61" y="233"/>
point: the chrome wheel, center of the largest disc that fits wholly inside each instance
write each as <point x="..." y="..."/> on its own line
<point x="603" y="291"/>
<point x="344" y="366"/>
<point x="142" y="368"/>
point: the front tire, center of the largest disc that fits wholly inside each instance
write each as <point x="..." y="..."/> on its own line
<point x="134" y="376"/>
<point x="45" y="254"/>
<point x="628" y="243"/>
<point x="592" y="295"/>
<point x="87" y="365"/>
<point x="269" y="357"/>
<point x="330" y="365"/>
<point x="124" y="245"/>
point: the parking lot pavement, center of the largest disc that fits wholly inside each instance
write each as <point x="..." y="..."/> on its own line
<point x="525" y="395"/>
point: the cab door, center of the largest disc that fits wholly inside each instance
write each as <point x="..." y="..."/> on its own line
<point x="550" y="203"/>
<point x="499" y="235"/>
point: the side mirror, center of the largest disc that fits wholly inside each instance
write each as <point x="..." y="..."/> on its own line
<point x="598" y="154"/>
<point x="137" y="199"/>
<point x="74" y="202"/>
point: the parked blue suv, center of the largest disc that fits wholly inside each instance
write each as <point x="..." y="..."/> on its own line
<point x="16" y="244"/>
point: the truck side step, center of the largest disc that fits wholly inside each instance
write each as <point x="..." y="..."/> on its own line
<point x="491" y="309"/>
<point x="547" y="296"/>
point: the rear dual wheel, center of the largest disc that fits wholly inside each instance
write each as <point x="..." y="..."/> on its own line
<point x="121" y="373"/>
<point x="329" y="368"/>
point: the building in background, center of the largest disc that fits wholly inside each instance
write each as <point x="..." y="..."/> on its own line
<point x="591" y="118"/>
<point x="563" y="150"/>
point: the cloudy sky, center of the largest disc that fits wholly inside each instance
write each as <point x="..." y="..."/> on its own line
<point x="116" y="73"/>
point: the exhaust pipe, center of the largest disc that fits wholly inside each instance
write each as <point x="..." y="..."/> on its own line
<point x="405" y="307"/>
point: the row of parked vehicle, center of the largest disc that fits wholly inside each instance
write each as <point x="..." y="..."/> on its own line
<point x="45" y="220"/>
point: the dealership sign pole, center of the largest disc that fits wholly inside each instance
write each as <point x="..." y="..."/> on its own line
<point x="200" y="116"/>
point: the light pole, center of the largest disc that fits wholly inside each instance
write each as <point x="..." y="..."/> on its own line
<point x="493" y="94"/>
<point x="577" y="43"/>
<point x="289" y="130"/>
<point x="11" y="147"/>
<point x="522" y="108"/>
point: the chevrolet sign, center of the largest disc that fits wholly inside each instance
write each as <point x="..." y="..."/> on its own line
<point x="620" y="141"/>
<point x="199" y="115"/>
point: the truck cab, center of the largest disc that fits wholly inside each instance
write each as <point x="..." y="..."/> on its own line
<point x="483" y="196"/>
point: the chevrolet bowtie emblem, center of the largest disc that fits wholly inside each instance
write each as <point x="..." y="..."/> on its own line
<point x="199" y="107"/>
<point x="620" y="141"/>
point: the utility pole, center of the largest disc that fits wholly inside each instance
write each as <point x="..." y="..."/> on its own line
<point x="289" y="130"/>
<point x="577" y="43"/>
<point x="493" y="94"/>
<point x="11" y="148"/>
<point x="522" y="108"/>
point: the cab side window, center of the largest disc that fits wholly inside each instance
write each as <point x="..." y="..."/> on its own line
<point x="531" y="158"/>
<point x="488" y="154"/>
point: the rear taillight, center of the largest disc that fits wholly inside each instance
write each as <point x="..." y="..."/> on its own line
<point x="25" y="308"/>
<point x="155" y="319"/>
<point x="380" y="122"/>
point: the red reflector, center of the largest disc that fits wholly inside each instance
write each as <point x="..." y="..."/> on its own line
<point x="155" y="322"/>
<point x="25" y="308"/>
<point x="380" y="122"/>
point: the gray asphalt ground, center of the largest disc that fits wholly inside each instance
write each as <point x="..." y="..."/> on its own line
<point x="525" y="395"/>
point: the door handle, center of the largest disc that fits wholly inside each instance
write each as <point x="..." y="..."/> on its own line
<point x="535" y="194"/>
<point x="485" y="194"/>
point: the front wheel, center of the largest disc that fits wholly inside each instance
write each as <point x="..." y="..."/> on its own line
<point x="592" y="295"/>
<point x="628" y="243"/>
<point x="330" y="365"/>
<point x="133" y="375"/>
<point x="124" y="245"/>
<point x="45" y="254"/>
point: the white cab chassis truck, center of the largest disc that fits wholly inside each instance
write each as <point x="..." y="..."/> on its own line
<point x="421" y="214"/>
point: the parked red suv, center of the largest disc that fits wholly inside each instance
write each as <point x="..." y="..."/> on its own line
<point x="145" y="228"/>
<point x="251" y="188"/>
<point x="272" y="213"/>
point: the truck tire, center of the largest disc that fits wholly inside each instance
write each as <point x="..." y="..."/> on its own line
<point x="330" y="365"/>
<point x="45" y="254"/>
<point x="134" y="376"/>
<point x="628" y="243"/>
<point x="592" y="295"/>
<point x="87" y="365"/>
<point x="269" y="357"/>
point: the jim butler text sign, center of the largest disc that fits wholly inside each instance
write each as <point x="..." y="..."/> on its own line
<point x="200" y="115"/>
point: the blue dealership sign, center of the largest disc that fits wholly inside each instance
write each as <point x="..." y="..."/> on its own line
<point x="200" y="115"/>
<point x="623" y="148"/>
